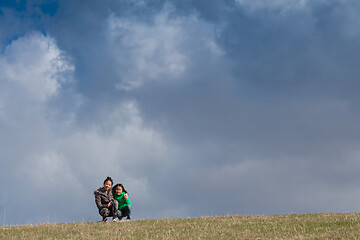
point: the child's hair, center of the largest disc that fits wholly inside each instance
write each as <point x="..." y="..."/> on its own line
<point x="108" y="179"/>
<point x="118" y="185"/>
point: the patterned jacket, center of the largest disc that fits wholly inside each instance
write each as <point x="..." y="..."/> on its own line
<point x="102" y="198"/>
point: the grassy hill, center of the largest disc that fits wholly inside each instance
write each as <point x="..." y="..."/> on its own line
<point x="293" y="226"/>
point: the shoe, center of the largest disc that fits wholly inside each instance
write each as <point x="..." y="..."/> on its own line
<point x="115" y="220"/>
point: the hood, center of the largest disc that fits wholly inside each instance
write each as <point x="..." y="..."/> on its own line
<point x="99" y="191"/>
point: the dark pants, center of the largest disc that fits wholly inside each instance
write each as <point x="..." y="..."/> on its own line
<point x="109" y="211"/>
<point x="126" y="212"/>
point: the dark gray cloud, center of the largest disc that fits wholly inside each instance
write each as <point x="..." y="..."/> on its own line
<point x="199" y="108"/>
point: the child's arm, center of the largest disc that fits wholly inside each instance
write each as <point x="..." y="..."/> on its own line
<point x="98" y="202"/>
<point x="125" y="202"/>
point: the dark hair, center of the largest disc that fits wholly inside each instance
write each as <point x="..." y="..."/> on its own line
<point x="108" y="179"/>
<point x="118" y="185"/>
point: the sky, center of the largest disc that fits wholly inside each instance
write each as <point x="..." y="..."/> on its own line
<point x="199" y="107"/>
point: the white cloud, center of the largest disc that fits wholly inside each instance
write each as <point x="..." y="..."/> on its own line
<point x="130" y="152"/>
<point x="123" y="146"/>
<point x="153" y="50"/>
<point x="52" y="164"/>
<point x="282" y="5"/>
<point x="51" y="156"/>
<point x="44" y="170"/>
<point x="255" y="140"/>
<point x="213" y="47"/>
<point x="159" y="50"/>
<point x="35" y="66"/>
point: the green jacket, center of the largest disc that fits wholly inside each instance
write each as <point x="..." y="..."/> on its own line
<point x="123" y="202"/>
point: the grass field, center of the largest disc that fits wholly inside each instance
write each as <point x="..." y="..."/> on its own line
<point x="293" y="226"/>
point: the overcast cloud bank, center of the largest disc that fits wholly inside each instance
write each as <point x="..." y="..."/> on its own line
<point x="197" y="107"/>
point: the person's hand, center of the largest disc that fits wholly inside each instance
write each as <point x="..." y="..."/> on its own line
<point x="110" y="203"/>
<point x="126" y="196"/>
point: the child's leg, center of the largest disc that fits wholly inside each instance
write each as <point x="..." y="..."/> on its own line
<point x="104" y="212"/>
<point x="126" y="212"/>
<point x="114" y="208"/>
<point x="119" y="214"/>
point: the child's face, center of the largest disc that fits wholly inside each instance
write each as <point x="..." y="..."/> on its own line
<point x="107" y="185"/>
<point x="118" y="190"/>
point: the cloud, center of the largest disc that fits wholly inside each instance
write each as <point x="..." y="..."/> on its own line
<point x="35" y="64"/>
<point x="33" y="70"/>
<point x="198" y="108"/>
<point x="156" y="51"/>
<point x="277" y="5"/>
<point x="153" y="50"/>
<point x="55" y="156"/>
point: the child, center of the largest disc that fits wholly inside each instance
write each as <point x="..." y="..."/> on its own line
<point x="104" y="200"/>
<point x="124" y="204"/>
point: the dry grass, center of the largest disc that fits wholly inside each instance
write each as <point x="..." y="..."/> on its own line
<point x="294" y="226"/>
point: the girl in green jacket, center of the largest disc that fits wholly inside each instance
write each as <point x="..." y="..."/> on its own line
<point x="124" y="204"/>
